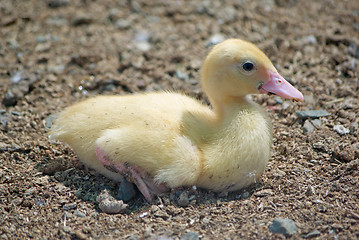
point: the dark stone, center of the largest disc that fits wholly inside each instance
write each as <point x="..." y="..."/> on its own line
<point x="126" y="191"/>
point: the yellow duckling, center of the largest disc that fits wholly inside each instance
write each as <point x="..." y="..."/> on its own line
<point x="166" y="140"/>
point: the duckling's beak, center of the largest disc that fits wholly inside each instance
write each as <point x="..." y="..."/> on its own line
<point x="279" y="86"/>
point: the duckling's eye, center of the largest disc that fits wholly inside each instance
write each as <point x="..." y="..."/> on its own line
<point x="248" y="66"/>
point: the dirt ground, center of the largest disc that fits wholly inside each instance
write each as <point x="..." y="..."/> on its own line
<point x="58" y="52"/>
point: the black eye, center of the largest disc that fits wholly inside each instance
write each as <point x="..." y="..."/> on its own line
<point x="248" y="66"/>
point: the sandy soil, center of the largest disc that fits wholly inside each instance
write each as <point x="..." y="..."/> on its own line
<point x="58" y="52"/>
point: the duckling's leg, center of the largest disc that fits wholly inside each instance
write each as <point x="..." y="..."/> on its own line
<point x="134" y="174"/>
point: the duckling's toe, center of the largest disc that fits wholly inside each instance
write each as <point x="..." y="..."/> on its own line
<point x="145" y="183"/>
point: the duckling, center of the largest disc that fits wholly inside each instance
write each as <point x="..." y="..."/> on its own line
<point x="165" y="140"/>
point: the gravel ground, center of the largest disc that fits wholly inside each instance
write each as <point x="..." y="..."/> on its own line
<point x="57" y="52"/>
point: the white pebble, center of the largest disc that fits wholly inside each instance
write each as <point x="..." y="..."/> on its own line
<point x="341" y="129"/>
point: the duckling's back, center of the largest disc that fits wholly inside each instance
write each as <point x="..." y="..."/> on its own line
<point x="80" y="125"/>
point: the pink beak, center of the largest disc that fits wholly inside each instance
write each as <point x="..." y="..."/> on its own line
<point x="279" y="86"/>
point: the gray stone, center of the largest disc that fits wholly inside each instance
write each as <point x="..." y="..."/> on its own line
<point x="313" y="234"/>
<point x="264" y="193"/>
<point x="181" y="75"/>
<point x="132" y="237"/>
<point x="57" y="69"/>
<point x="10" y="99"/>
<point x="278" y="100"/>
<point x="122" y="24"/>
<point x="16" y="77"/>
<point x="310" y="39"/>
<point x="56" y="21"/>
<point x="226" y="14"/>
<point x="190" y="236"/>
<point x="43" y="47"/>
<point x="284" y="226"/>
<point x="42" y="39"/>
<point x="341" y="129"/>
<point x="126" y="191"/>
<point x="69" y="206"/>
<point x="312" y="114"/>
<point x="245" y="195"/>
<point x="49" y="120"/>
<point x="143" y="46"/>
<point x="308" y="127"/>
<point x="316" y="123"/>
<point x="80" y="214"/>
<point x="183" y="200"/>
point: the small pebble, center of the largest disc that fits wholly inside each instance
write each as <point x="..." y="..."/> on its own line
<point x="16" y="77"/>
<point x="341" y="129"/>
<point x="69" y="206"/>
<point x="161" y="214"/>
<point x="109" y="204"/>
<point x="308" y="127"/>
<point x="278" y="100"/>
<point x="80" y="235"/>
<point x="316" y="123"/>
<point x="285" y="105"/>
<point x="183" y="200"/>
<point x="313" y="234"/>
<point x="245" y="195"/>
<point x="206" y="220"/>
<point x="81" y="20"/>
<point x="10" y="99"/>
<point x="105" y="194"/>
<point x="80" y="214"/>
<point x="112" y="206"/>
<point x="320" y="146"/>
<point x="126" y="191"/>
<point x="49" y="120"/>
<point x="56" y="69"/>
<point x="190" y="236"/>
<point x="58" y="3"/>
<point x="284" y="226"/>
<point x="15" y="113"/>
<point x="310" y="191"/>
<point x="312" y="114"/>
<point x="143" y="46"/>
<point x="132" y="237"/>
<point x="43" y="47"/>
<point x="154" y="208"/>
<point x="122" y="24"/>
<point x="215" y="39"/>
<point x="53" y="166"/>
<point x="226" y="14"/>
<point x="56" y="21"/>
<point x="181" y="75"/>
<point x="310" y="39"/>
<point x="279" y="173"/>
<point x="264" y="193"/>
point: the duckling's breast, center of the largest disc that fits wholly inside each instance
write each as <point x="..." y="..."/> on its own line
<point x="237" y="155"/>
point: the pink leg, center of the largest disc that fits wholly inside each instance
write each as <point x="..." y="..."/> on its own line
<point x="134" y="174"/>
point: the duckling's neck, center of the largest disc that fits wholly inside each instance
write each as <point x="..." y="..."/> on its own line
<point x="224" y="121"/>
<point x="228" y="107"/>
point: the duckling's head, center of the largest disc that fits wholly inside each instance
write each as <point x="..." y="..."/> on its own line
<point x="235" y="68"/>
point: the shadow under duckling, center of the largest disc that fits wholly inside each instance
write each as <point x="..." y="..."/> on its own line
<point x="165" y="140"/>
